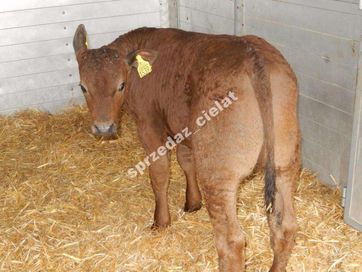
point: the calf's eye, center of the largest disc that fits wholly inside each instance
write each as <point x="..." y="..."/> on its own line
<point x="121" y="87"/>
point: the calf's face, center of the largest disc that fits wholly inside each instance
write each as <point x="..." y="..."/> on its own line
<point x="103" y="80"/>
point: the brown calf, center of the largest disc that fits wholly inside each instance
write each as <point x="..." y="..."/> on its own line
<point x="190" y="72"/>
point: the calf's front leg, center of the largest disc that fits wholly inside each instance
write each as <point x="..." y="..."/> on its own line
<point x="193" y="195"/>
<point x="152" y="139"/>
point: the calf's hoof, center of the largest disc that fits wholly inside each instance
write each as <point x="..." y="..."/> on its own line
<point x="277" y="269"/>
<point x="160" y="226"/>
<point x="192" y="207"/>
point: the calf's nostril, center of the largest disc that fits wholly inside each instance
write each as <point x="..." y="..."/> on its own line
<point x="97" y="129"/>
<point x="111" y="128"/>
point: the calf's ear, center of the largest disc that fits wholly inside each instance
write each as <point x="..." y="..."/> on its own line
<point x="80" y="38"/>
<point x="146" y="54"/>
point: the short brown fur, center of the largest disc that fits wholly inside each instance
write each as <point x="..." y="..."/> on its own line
<point x="190" y="72"/>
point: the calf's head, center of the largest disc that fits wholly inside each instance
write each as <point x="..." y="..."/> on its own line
<point x="103" y="80"/>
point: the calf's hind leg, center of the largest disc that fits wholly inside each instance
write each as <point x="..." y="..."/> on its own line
<point x="282" y="219"/>
<point x="220" y="184"/>
<point x="193" y="195"/>
<point x="226" y="151"/>
<point x="221" y="197"/>
<point x="220" y="170"/>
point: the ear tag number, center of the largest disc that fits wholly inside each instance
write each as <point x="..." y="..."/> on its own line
<point x="144" y="67"/>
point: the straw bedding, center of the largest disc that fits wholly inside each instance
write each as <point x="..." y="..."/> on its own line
<point x="67" y="204"/>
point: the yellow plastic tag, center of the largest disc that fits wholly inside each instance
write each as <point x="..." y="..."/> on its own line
<point x="86" y="41"/>
<point x="144" y="67"/>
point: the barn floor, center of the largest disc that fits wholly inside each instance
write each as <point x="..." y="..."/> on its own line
<point x="67" y="204"/>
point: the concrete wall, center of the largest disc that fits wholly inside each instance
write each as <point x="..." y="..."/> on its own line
<point x="37" y="64"/>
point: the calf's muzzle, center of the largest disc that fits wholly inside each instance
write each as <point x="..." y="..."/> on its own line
<point x="104" y="129"/>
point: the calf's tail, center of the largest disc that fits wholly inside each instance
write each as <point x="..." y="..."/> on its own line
<point x="261" y="83"/>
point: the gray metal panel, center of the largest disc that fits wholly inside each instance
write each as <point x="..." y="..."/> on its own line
<point x="332" y="48"/>
<point x="42" y="49"/>
<point x="323" y="174"/>
<point x="323" y="136"/>
<point x="190" y="27"/>
<point x="318" y="20"/>
<point x="164" y="13"/>
<point x="326" y="115"/>
<point x="333" y="5"/>
<point x="61" y="30"/>
<point x="214" y="23"/>
<point x="53" y="106"/>
<point x="29" y="83"/>
<point x="37" y="63"/>
<point x="69" y="13"/>
<point x="40" y="95"/>
<point x="350" y="1"/>
<point x="173" y="7"/>
<point x="326" y="92"/>
<point x="239" y="17"/>
<point x="216" y="7"/>
<point x="320" y="68"/>
<point x="320" y="39"/>
<point x="209" y="16"/>
<point x="332" y="166"/>
<point x="353" y="207"/>
<point x="7" y="5"/>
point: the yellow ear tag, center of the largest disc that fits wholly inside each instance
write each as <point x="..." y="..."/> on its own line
<point x="86" y="41"/>
<point x="144" y="67"/>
